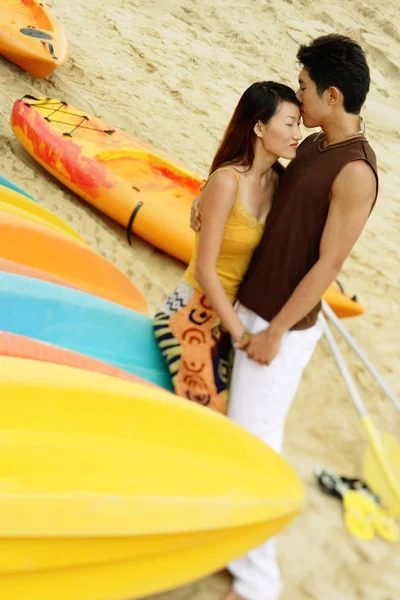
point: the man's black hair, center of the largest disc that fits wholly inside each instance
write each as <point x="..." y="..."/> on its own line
<point x="336" y="60"/>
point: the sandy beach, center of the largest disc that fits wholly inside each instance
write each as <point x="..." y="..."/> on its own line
<point x="170" y="73"/>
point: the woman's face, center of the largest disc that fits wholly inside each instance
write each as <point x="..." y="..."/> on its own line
<point x="281" y="135"/>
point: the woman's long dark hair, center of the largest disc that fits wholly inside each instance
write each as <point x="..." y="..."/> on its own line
<point x="258" y="103"/>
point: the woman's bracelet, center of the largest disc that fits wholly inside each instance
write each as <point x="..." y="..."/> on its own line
<point x="247" y="333"/>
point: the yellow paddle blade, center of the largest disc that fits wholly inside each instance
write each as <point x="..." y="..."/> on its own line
<point x="356" y="515"/>
<point x="381" y="467"/>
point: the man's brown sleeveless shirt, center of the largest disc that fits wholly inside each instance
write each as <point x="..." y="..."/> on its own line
<point x="290" y="244"/>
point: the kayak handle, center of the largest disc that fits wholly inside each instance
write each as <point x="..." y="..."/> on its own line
<point x="132" y="218"/>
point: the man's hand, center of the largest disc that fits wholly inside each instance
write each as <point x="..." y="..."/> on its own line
<point x="262" y="347"/>
<point x="195" y="220"/>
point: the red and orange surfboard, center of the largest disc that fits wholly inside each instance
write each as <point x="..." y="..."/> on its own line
<point x="133" y="184"/>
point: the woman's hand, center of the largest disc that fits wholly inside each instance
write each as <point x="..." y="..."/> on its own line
<point x="242" y="341"/>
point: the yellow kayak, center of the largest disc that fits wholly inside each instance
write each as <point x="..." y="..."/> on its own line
<point x="112" y="489"/>
<point x="18" y="201"/>
<point x="29" y="216"/>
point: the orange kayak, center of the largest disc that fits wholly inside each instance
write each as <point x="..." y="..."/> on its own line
<point x="31" y="37"/>
<point x="342" y="303"/>
<point x="36" y="246"/>
<point x="21" y="346"/>
<point x="133" y="184"/>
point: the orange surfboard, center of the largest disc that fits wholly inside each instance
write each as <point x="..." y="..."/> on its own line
<point x="38" y="247"/>
<point x="31" y="37"/>
<point x="9" y="266"/>
<point x="21" y="346"/>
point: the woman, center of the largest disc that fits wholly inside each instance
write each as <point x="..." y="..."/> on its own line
<point x="192" y="324"/>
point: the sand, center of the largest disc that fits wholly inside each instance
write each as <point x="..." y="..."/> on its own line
<point x="170" y="73"/>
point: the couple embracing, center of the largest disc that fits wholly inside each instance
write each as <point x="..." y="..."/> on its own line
<point x="269" y="242"/>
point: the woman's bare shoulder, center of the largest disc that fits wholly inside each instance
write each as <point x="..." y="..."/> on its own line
<point x="225" y="180"/>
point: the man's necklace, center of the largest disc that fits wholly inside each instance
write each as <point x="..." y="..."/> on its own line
<point x="360" y="132"/>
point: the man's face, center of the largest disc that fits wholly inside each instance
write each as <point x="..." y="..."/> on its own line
<point x="313" y="106"/>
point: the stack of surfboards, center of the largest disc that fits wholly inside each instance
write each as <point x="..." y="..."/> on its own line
<point x="110" y="486"/>
<point x="55" y="290"/>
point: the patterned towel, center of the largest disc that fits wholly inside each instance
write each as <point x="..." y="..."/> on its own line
<point x="195" y="347"/>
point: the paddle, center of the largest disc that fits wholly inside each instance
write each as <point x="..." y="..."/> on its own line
<point x="382" y="457"/>
<point x="361" y="354"/>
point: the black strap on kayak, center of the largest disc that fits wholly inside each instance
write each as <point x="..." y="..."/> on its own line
<point x="59" y="104"/>
<point x="69" y="133"/>
<point x="341" y="288"/>
<point x="30" y="97"/>
<point x="52" y="113"/>
<point x="51" y="50"/>
<point x="132" y="218"/>
<point x="55" y="106"/>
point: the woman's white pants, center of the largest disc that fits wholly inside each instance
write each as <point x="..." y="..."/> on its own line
<point x="259" y="400"/>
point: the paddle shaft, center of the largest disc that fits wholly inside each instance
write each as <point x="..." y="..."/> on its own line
<point x="343" y="367"/>
<point x="369" y="427"/>
<point x="361" y="354"/>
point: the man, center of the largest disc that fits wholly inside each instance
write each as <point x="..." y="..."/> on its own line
<point x="323" y="201"/>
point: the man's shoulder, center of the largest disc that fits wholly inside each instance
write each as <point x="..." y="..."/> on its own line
<point x="370" y="152"/>
<point x="356" y="184"/>
<point x="363" y="156"/>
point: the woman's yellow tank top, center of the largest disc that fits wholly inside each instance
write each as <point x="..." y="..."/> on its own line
<point x="241" y="236"/>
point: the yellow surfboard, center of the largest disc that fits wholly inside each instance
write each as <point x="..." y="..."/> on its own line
<point x="18" y="201"/>
<point x="29" y="216"/>
<point x="114" y="489"/>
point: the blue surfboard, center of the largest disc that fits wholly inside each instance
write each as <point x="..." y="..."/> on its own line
<point x="7" y="183"/>
<point x="81" y="322"/>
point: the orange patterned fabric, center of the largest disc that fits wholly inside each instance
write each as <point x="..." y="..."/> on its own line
<point x="195" y="347"/>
